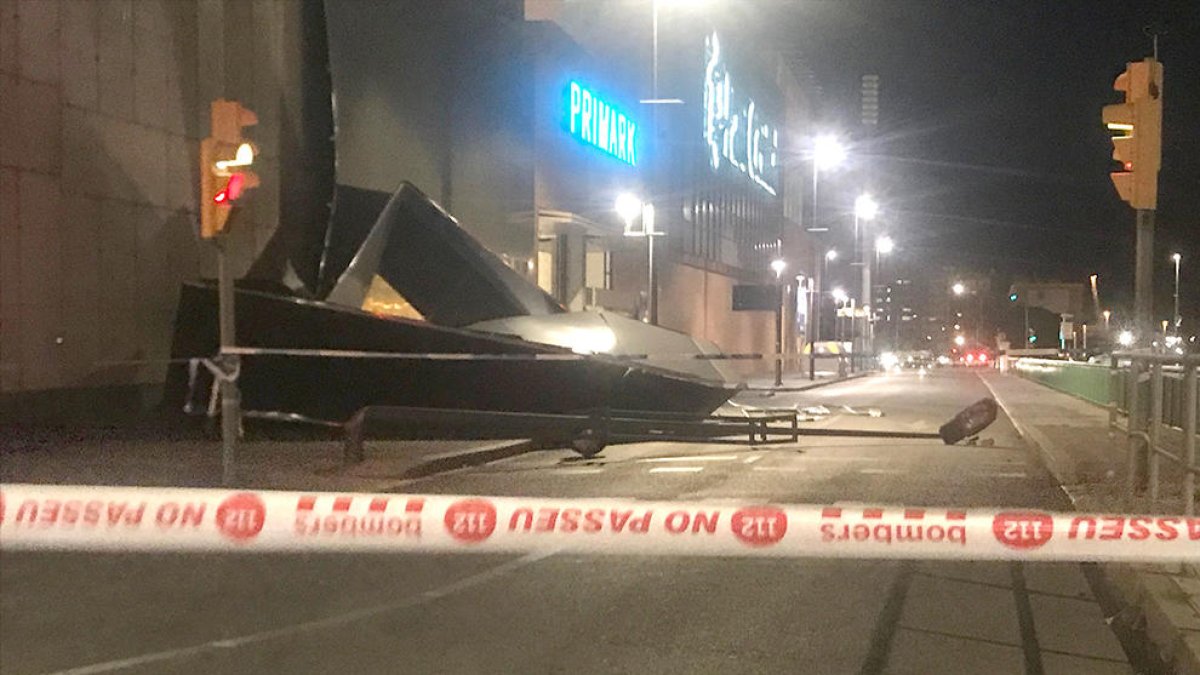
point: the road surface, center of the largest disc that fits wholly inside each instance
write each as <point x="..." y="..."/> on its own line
<point x="567" y="614"/>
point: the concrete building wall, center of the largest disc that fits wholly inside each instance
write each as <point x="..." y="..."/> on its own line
<point x="102" y="106"/>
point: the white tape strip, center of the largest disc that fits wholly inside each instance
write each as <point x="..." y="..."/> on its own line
<point x="84" y="518"/>
<point x="467" y="356"/>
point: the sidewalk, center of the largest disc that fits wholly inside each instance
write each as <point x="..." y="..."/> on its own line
<point x="278" y="465"/>
<point x="800" y="381"/>
<point x="1089" y="462"/>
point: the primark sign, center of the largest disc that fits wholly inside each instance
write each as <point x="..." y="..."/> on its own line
<point x="600" y="124"/>
<point x="738" y="133"/>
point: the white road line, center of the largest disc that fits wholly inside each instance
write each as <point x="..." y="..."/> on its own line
<point x="318" y="624"/>
<point x="786" y="469"/>
<point x="676" y="469"/>
<point x="882" y="472"/>
<point x="835" y="458"/>
<point x="1006" y="474"/>
<point x="692" y="458"/>
<point x="752" y="459"/>
<point x="577" y="472"/>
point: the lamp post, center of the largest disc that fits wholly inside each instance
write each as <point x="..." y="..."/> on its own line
<point x="778" y="266"/>
<point x="1177" y="258"/>
<point x="865" y="210"/>
<point x="883" y="246"/>
<point x="629" y="208"/>
<point x="1107" y="313"/>
<point x="828" y="152"/>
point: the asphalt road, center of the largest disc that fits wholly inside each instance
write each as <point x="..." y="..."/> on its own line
<point x="563" y="613"/>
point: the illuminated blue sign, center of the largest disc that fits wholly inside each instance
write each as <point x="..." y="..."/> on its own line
<point x="600" y="124"/>
<point x="736" y="131"/>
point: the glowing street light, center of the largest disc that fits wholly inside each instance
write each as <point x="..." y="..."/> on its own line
<point x="958" y="288"/>
<point x="831" y="254"/>
<point x="839" y="295"/>
<point x="884" y="245"/>
<point x="778" y="265"/>
<point x="629" y="207"/>
<point x="960" y="340"/>
<point x="1125" y="338"/>
<point x="1107" y="314"/>
<point x="865" y="207"/>
<point x="828" y="152"/>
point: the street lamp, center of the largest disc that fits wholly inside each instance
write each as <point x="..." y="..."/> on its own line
<point x="1125" y="338"/>
<point x="1177" y="258"/>
<point x="958" y="288"/>
<point x="1106" y="313"/>
<point x="778" y="265"/>
<point x="865" y="209"/>
<point x="629" y="207"/>
<point x="827" y="153"/>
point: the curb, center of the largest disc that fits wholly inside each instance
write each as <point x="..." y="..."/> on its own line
<point x="813" y="385"/>
<point x="1171" y="621"/>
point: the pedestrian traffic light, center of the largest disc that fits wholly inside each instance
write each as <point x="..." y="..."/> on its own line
<point x="225" y="161"/>
<point x="1136" y="127"/>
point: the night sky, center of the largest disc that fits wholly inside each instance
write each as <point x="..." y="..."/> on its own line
<point x="990" y="151"/>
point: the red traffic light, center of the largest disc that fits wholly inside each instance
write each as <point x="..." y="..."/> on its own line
<point x="232" y="190"/>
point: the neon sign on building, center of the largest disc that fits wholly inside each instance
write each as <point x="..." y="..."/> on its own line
<point x="736" y="131"/>
<point x="600" y="124"/>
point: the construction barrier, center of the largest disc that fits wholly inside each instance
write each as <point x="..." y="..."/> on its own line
<point x="88" y="518"/>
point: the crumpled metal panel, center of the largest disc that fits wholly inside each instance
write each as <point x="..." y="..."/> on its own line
<point x="604" y="332"/>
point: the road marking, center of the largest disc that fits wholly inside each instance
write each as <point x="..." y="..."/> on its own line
<point x="1007" y="474"/>
<point x="882" y="472"/>
<point x="786" y="469"/>
<point x="752" y="459"/>
<point x="676" y="469"/>
<point x="582" y="471"/>
<point x="318" y="624"/>
<point x="692" y="458"/>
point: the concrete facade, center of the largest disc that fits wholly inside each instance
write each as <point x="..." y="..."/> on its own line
<point x="102" y="106"/>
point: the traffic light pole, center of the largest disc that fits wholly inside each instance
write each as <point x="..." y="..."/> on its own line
<point x="231" y="397"/>
<point x="1143" y="285"/>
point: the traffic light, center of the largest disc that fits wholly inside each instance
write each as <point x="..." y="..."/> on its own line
<point x="1136" y="126"/>
<point x="225" y="161"/>
<point x="1012" y="297"/>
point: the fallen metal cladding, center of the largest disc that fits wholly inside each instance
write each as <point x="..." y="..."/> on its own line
<point x="434" y="290"/>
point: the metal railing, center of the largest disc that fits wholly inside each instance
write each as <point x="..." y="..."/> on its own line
<point x="1139" y="392"/>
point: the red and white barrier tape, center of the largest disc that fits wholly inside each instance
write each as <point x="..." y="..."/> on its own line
<point x="84" y="518"/>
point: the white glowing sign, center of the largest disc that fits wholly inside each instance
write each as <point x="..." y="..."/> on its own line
<point x="736" y="131"/>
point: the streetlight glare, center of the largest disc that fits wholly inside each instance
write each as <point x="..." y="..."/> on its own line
<point x="831" y="254"/>
<point x="839" y="294"/>
<point x="958" y="288"/>
<point x="828" y="152"/>
<point x="884" y="244"/>
<point x="778" y="265"/>
<point x="628" y="207"/>
<point x="1125" y="338"/>
<point x="865" y="207"/>
<point x="960" y="340"/>
<point x="1175" y="257"/>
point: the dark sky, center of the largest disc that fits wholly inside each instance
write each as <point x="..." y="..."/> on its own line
<point x="990" y="150"/>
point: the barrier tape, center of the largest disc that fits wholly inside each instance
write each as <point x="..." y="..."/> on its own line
<point x="469" y="356"/>
<point x="87" y="518"/>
